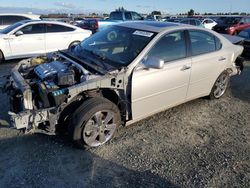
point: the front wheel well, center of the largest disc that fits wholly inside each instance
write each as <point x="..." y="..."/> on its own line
<point x="109" y="94"/>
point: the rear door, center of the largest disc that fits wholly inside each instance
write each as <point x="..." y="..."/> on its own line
<point x="58" y="37"/>
<point x="208" y="61"/>
<point x="32" y="42"/>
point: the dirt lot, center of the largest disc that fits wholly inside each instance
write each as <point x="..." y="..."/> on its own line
<point x="199" y="144"/>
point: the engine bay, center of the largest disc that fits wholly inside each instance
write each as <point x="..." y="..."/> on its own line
<point x="49" y="78"/>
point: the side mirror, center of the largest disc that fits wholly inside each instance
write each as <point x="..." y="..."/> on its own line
<point x="153" y="62"/>
<point x="18" y="33"/>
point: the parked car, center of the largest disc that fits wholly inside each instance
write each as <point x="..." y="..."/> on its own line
<point x="89" y="24"/>
<point x="152" y="17"/>
<point x="118" y="76"/>
<point x="117" y="17"/>
<point x="232" y="25"/>
<point x="9" y="19"/>
<point x="175" y="20"/>
<point x="29" y="38"/>
<point x="246" y="35"/>
<point x="192" y="21"/>
<point x="208" y="23"/>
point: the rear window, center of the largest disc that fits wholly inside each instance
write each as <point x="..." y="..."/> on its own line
<point x="116" y="16"/>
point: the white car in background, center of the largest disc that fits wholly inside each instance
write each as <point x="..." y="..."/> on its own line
<point x="28" y="38"/>
<point x="8" y="19"/>
<point x="208" y="23"/>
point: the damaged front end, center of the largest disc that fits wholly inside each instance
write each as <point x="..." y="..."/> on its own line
<point x="38" y="87"/>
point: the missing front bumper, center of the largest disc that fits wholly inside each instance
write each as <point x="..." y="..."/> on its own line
<point x="35" y="120"/>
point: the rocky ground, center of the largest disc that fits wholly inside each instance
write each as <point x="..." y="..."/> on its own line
<point x="202" y="143"/>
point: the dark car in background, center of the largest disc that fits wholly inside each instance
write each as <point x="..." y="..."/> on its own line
<point x="232" y="25"/>
<point x="175" y="20"/>
<point x="89" y="24"/>
<point x="246" y="35"/>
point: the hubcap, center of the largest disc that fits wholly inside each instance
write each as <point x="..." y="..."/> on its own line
<point x="221" y="85"/>
<point x="100" y="128"/>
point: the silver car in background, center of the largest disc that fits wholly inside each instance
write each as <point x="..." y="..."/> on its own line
<point x="118" y="76"/>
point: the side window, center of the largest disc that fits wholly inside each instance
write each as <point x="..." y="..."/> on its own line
<point x="247" y="20"/>
<point x="128" y="16"/>
<point x="33" y="29"/>
<point x="193" y="22"/>
<point x="170" y="47"/>
<point x="136" y="16"/>
<point x="209" y="21"/>
<point x="9" y="20"/>
<point x="185" y="21"/>
<point x="218" y="43"/>
<point x="54" y="28"/>
<point x="202" y="42"/>
<point x="1" y="20"/>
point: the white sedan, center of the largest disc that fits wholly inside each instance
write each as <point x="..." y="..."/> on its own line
<point x="119" y="75"/>
<point x="209" y="23"/>
<point x="29" y="38"/>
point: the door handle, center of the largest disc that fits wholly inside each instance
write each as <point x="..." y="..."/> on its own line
<point x="222" y="59"/>
<point x="185" y="67"/>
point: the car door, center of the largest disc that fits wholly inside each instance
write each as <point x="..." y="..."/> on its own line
<point x="58" y="37"/>
<point x="30" y="41"/>
<point x="208" y="61"/>
<point x="156" y="89"/>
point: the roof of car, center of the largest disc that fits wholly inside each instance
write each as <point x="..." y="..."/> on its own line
<point x="152" y="26"/>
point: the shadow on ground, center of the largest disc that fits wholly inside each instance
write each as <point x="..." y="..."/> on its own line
<point x="240" y="85"/>
<point x="48" y="165"/>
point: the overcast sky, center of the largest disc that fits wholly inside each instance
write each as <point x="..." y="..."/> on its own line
<point x="142" y="6"/>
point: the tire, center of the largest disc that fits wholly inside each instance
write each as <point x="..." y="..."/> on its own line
<point x="1" y="57"/>
<point x="220" y="86"/>
<point x="94" y="123"/>
<point x="73" y="44"/>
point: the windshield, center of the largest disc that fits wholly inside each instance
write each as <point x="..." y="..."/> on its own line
<point x="229" y="20"/>
<point x="10" y="28"/>
<point x="115" y="46"/>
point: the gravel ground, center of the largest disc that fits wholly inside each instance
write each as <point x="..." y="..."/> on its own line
<point x="202" y="143"/>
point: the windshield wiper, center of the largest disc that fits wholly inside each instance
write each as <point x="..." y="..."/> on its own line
<point x="99" y="56"/>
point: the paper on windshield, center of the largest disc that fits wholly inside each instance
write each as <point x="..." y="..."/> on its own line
<point x="143" y="33"/>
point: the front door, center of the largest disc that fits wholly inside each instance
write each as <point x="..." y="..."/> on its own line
<point x="154" y="90"/>
<point x="31" y="42"/>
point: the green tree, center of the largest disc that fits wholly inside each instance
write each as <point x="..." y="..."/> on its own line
<point x="191" y="12"/>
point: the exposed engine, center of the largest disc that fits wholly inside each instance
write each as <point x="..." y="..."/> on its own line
<point x="49" y="79"/>
<point x="61" y="73"/>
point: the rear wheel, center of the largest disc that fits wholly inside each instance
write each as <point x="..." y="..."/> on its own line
<point x="94" y="123"/>
<point x="220" y="86"/>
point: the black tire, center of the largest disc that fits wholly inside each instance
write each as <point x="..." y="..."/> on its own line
<point x="1" y="57"/>
<point x="223" y="88"/>
<point x="84" y="118"/>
